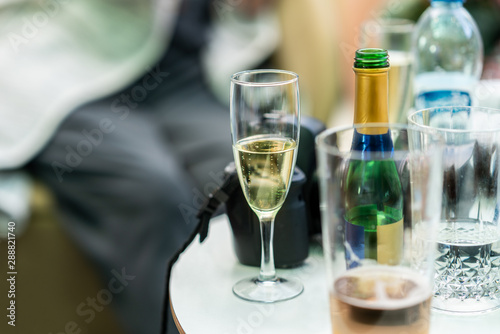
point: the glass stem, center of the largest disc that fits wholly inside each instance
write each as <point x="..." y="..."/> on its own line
<point x="267" y="269"/>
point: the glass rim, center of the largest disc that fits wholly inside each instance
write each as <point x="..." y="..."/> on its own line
<point x="322" y="146"/>
<point x="452" y="109"/>
<point x="294" y="78"/>
<point x="393" y="25"/>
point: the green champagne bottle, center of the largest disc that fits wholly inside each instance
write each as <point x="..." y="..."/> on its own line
<point x="373" y="192"/>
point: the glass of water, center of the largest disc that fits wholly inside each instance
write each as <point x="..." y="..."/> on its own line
<point x="467" y="265"/>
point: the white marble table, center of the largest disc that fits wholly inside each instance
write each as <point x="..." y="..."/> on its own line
<point x="203" y="302"/>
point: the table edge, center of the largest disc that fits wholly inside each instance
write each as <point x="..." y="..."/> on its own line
<point x="174" y="316"/>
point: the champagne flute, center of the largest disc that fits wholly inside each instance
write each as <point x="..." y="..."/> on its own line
<point x="265" y="125"/>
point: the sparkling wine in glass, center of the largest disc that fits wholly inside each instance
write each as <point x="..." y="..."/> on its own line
<point x="265" y="124"/>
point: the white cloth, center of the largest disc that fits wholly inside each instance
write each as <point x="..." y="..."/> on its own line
<point x="238" y="43"/>
<point x="56" y="55"/>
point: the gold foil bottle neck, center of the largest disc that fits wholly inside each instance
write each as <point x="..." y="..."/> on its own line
<point x="370" y="104"/>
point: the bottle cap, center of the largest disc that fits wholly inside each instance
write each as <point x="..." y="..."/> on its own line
<point x="371" y="58"/>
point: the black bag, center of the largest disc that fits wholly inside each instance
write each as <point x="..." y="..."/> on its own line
<point x="295" y="222"/>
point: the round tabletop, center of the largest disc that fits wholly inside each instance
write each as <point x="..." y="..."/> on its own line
<point x="202" y="300"/>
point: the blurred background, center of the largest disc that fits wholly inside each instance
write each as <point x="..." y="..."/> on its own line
<point x="57" y="56"/>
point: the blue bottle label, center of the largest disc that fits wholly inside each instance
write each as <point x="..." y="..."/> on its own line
<point x="383" y="244"/>
<point x="355" y="244"/>
<point x="442" y="98"/>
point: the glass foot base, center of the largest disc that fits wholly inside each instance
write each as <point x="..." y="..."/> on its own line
<point x="469" y="305"/>
<point x="253" y="289"/>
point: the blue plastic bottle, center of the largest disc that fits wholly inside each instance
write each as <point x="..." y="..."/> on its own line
<point x="448" y="56"/>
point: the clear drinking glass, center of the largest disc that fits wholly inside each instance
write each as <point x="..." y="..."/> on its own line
<point x="379" y="252"/>
<point x="393" y="35"/>
<point x="265" y="124"/>
<point x="467" y="266"/>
